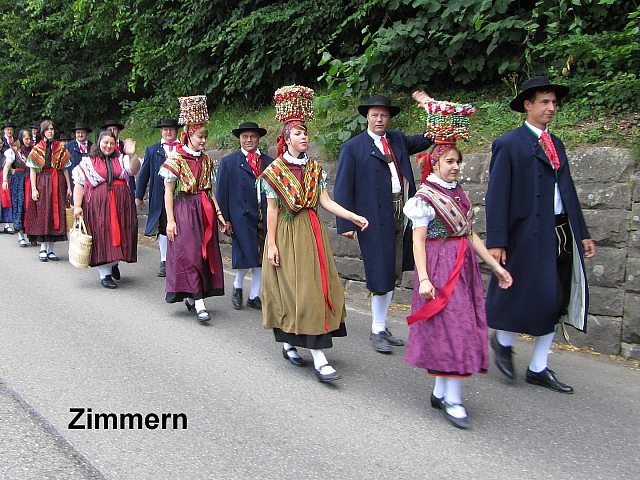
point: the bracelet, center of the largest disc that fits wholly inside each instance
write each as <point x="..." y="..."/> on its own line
<point x="424" y="279"/>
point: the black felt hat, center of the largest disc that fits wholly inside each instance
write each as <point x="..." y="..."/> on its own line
<point x="378" y="101"/>
<point x="82" y="126"/>
<point x="113" y="123"/>
<point x="249" y="126"/>
<point x="536" y="84"/>
<point x="168" y="122"/>
<point x="9" y="124"/>
<point x="64" y="137"/>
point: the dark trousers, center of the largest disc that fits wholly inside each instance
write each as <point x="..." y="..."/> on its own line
<point x="564" y="262"/>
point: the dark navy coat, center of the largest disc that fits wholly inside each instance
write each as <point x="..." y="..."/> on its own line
<point x="76" y="155"/>
<point x="363" y="185"/>
<point x="154" y="157"/>
<point x="520" y="217"/>
<point x="237" y="198"/>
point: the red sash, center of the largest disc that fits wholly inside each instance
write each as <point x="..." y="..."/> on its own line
<point x="208" y="219"/>
<point x="6" y="198"/>
<point x="54" y="197"/>
<point x="315" y="226"/>
<point x="113" y="214"/>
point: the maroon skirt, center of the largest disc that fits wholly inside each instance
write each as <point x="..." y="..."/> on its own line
<point x="97" y="217"/>
<point x="38" y="216"/>
<point x="188" y="273"/>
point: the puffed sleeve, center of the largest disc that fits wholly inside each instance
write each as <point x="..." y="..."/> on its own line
<point x="78" y="175"/>
<point x="167" y="174"/>
<point x="266" y="188"/>
<point x="419" y="212"/>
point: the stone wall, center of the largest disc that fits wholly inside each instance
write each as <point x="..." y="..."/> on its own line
<point x="607" y="184"/>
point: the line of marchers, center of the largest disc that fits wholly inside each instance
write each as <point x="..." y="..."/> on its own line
<point x="87" y="419"/>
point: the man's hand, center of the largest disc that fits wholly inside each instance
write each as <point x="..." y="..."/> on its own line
<point x="589" y="248"/>
<point x="500" y="254"/>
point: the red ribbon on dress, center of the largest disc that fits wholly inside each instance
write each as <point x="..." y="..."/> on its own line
<point x="6" y="198"/>
<point x="113" y="214"/>
<point x="54" y="197"/>
<point x="208" y="219"/>
<point x="315" y="227"/>
<point x="436" y="305"/>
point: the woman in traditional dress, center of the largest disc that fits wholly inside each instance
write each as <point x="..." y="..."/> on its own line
<point x="48" y="190"/>
<point x="448" y="326"/>
<point x="14" y="180"/>
<point x="302" y="297"/>
<point x="194" y="264"/>
<point x="101" y="195"/>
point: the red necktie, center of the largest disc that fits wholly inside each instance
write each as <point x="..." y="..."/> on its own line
<point x="83" y="147"/>
<point x="254" y="163"/>
<point x="550" y="149"/>
<point x="10" y="140"/>
<point x="171" y="146"/>
<point x="387" y="151"/>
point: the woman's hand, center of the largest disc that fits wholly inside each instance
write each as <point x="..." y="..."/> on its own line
<point x="77" y="212"/>
<point x="362" y="222"/>
<point x="129" y="147"/>
<point x="35" y="195"/>
<point x="228" y="230"/>
<point x="503" y="276"/>
<point x="426" y="289"/>
<point x="69" y="194"/>
<point x="172" y="230"/>
<point x="273" y="255"/>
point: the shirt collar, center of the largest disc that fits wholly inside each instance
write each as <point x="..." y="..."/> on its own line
<point x="433" y="178"/>
<point x="537" y="132"/>
<point x="192" y="152"/>
<point x="375" y="136"/>
<point x="245" y="153"/>
<point x="296" y="161"/>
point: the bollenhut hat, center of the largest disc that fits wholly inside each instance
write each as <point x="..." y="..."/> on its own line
<point x="168" y="122"/>
<point x="249" y="126"/>
<point x="379" y="101"/>
<point x="9" y="124"/>
<point x="82" y="126"/>
<point x="113" y="123"/>
<point x="536" y="84"/>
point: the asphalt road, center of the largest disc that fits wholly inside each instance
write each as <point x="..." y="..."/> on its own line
<point x="66" y="342"/>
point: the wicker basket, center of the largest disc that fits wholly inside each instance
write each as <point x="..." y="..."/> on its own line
<point x="79" y="245"/>
<point x="70" y="218"/>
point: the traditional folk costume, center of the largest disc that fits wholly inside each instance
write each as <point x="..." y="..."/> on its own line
<point x="45" y="220"/>
<point x="17" y="180"/>
<point x="302" y="299"/>
<point x="194" y="263"/>
<point x="107" y="210"/>
<point x="447" y="335"/>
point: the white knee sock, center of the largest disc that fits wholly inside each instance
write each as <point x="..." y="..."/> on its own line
<point x="293" y="354"/>
<point x="440" y="387"/>
<point x="319" y="360"/>
<point x="240" y="274"/>
<point x="256" y="282"/>
<point x="506" y="339"/>
<point x="379" y="308"/>
<point x="540" y="354"/>
<point x="453" y="393"/>
<point x="200" y="305"/>
<point x="20" y="236"/>
<point x="105" y="269"/>
<point x="162" y="243"/>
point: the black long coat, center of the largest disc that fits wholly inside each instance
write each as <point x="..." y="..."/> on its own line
<point x="154" y="157"/>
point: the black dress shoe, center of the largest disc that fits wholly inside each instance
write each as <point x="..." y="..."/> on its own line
<point x="162" y="271"/>
<point x="391" y="340"/>
<point x="436" y="402"/>
<point x="380" y="343"/>
<point x="547" y="378"/>
<point x="503" y="357"/>
<point x="203" y="316"/>
<point x="107" y="282"/>
<point x="190" y="306"/>
<point x="326" y="377"/>
<point x="115" y="272"/>
<point x="297" y="360"/>
<point x="236" y="298"/>
<point x="255" y="303"/>
<point x="459" y="422"/>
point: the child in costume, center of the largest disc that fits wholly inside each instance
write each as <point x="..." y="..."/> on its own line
<point x="14" y="180"/>
<point x="194" y="264"/>
<point x="447" y="325"/>
<point x="302" y="297"/>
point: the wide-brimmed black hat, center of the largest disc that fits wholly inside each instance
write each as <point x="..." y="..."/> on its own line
<point x="249" y="126"/>
<point x="36" y="126"/>
<point x="82" y="126"/>
<point x="378" y="101"/>
<point x="114" y="123"/>
<point x="168" y="122"/>
<point x="64" y="137"/>
<point x="9" y="124"/>
<point x="536" y="84"/>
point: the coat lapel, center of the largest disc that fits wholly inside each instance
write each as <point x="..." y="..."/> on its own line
<point x="243" y="163"/>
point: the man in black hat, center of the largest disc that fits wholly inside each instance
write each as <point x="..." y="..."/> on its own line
<point x="115" y="127"/>
<point x="244" y="207"/>
<point x="8" y="129"/>
<point x="154" y="157"/>
<point x="35" y="133"/>
<point x="535" y="228"/>
<point x="374" y="179"/>
<point x="79" y="147"/>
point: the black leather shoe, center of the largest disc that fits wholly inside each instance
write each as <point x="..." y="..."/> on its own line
<point x="436" y="402"/>
<point x="326" y="377"/>
<point x="459" y="422"/>
<point x="379" y="342"/>
<point x="547" y="378"/>
<point x="115" y="272"/>
<point x="203" y="316"/>
<point x="503" y="357"/>
<point x="107" y="282"/>
<point x="162" y="271"/>
<point x="190" y="306"/>
<point x="297" y="360"/>
<point x="391" y="340"/>
<point x="255" y="303"/>
<point x="236" y="298"/>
